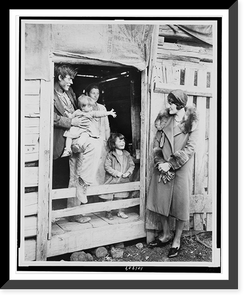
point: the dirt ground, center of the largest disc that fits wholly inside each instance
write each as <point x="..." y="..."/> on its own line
<point x="195" y="247"/>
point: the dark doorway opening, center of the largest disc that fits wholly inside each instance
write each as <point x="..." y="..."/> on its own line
<point x="120" y="89"/>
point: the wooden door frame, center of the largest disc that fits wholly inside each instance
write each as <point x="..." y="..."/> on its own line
<point x="44" y="216"/>
<point x="45" y="165"/>
<point x="144" y="142"/>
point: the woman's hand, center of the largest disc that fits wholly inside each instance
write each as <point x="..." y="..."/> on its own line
<point x="164" y="167"/>
<point x="166" y="177"/>
<point x="79" y="122"/>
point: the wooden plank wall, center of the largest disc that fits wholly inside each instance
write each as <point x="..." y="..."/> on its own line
<point x="31" y="113"/>
<point x="190" y="68"/>
<point x="31" y="119"/>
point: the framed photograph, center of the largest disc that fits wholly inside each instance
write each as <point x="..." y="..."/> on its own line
<point x="119" y="149"/>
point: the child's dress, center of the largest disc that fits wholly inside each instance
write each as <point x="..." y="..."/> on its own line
<point x="114" y="164"/>
<point x="89" y="125"/>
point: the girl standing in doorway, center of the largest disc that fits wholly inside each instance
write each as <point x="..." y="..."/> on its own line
<point x="119" y="166"/>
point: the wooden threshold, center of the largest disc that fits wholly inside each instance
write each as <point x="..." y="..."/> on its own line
<point x="69" y="237"/>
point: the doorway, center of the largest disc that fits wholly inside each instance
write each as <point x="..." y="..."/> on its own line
<point x="120" y="89"/>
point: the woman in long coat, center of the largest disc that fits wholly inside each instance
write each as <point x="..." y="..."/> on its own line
<point x="170" y="187"/>
<point x="103" y="127"/>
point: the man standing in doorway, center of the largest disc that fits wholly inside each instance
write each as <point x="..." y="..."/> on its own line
<point x="65" y="103"/>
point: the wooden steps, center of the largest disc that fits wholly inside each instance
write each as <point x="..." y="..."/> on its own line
<point x="68" y="237"/>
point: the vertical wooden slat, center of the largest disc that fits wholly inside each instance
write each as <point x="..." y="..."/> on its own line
<point x="146" y="134"/>
<point x="209" y="222"/>
<point x="201" y="147"/>
<point x="189" y="83"/>
<point x="159" y="72"/>
<point x="207" y="171"/>
<point x="176" y="74"/>
<point x="44" y="171"/>
<point x="195" y="77"/>
<point x="212" y="180"/>
<point x="148" y="131"/>
<point x="189" y="77"/>
<point x="182" y="76"/>
<point x="198" y="221"/>
<point x="164" y="76"/>
<point x="169" y="70"/>
<point x="202" y="78"/>
<point x="51" y="154"/>
<point x="165" y="72"/>
<point x="208" y="80"/>
<point x="135" y="120"/>
<point x="144" y="141"/>
<point x="153" y="56"/>
<point x="190" y="100"/>
<point x="212" y="146"/>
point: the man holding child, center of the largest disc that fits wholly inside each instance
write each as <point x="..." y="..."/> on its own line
<point x="65" y="103"/>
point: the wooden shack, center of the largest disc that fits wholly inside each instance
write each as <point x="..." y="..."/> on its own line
<point x="136" y="67"/>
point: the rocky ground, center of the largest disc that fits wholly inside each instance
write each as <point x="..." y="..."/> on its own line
<point x="196" y="247"/>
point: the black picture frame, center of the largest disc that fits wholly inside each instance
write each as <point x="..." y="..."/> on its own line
<point x="232" y="281"/>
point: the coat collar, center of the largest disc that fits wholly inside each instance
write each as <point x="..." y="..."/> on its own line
<point x="177" y="130"/>
<point x="59" y="105"/>
<point x="166" y="124"/>
<point x="169" y="131"/>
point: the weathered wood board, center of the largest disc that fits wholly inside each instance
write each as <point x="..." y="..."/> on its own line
<point x="77" y="236"/>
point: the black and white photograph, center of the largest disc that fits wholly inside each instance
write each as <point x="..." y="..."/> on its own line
<point x="119" y="153"/>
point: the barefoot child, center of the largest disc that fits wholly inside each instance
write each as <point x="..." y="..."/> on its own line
<point x="119" y="166"/>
